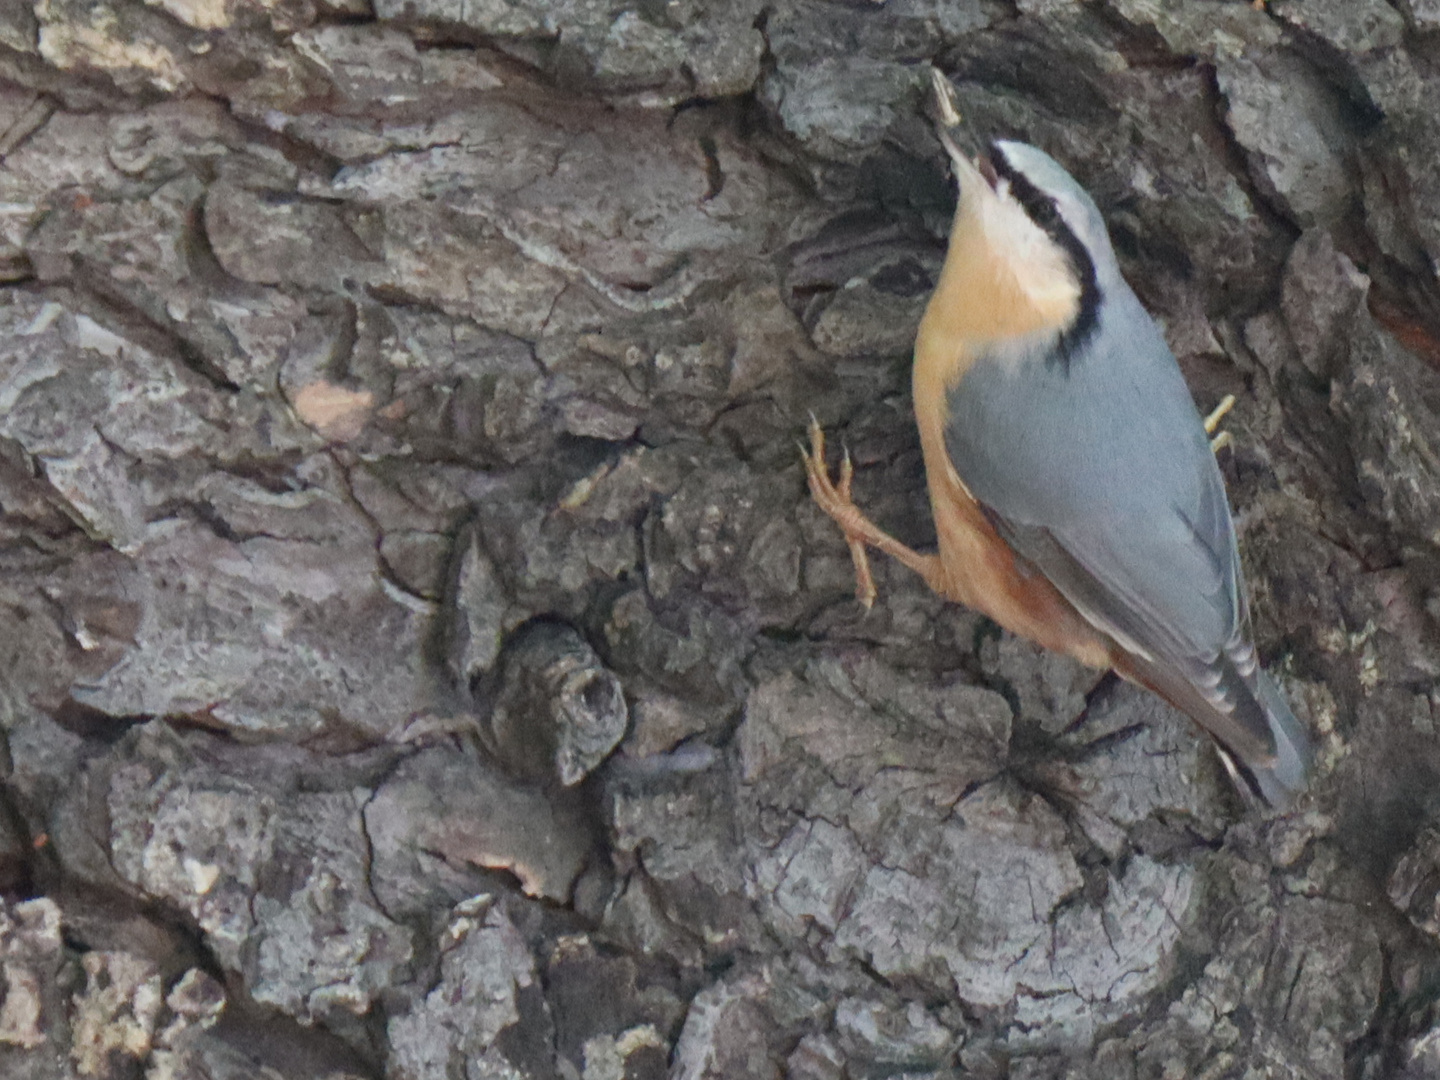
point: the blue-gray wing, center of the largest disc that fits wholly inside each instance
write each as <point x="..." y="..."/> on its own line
<point x="1096" y="468"/>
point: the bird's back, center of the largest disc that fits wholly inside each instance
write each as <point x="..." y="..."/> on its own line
<point x="1082" y="447"/>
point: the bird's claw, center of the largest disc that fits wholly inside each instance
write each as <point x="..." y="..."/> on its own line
<point x="835" y="500"/>
<point x="1221" y="441"/>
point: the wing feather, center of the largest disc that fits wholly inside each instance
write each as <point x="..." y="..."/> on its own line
<point x="1211" y="686"/>
<point x="1101" y="475"/>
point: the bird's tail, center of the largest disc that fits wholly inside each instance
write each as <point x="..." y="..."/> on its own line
<point x="1258" y="705"/>
<point x="1252" y="705"/>
<point x="1280" y="782"/>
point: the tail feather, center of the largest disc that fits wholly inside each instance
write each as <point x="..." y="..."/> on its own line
<point x="1279" y="783"/>
<point x="1251" y="704"/>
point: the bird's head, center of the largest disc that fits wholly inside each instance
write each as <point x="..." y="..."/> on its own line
<point x="1036" y="230"/>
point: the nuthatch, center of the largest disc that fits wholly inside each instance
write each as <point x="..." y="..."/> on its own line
<point x="1076" y="498"/>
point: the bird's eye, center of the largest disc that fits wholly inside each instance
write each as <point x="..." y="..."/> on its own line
<point x="1045" y="213"/>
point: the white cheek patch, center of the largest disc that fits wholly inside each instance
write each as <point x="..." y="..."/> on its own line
<point x="1039" y="267"/>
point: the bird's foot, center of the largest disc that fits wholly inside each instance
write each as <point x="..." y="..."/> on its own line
<point x="834" y="499"/>
<point x="860" y="532"/>
<point x="1219" y="442"/>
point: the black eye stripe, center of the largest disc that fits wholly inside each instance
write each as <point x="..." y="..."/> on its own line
<point x="1041" y="209"/>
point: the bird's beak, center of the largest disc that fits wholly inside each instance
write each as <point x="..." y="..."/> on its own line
<point x="972" y="176"/>
<point x="948" y="123"/>
<point x="986" y="168"/>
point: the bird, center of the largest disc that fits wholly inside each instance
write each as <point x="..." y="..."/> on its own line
<point x="1075" y="492"/>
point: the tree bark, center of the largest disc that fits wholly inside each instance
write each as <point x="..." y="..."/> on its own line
<point x="420" y="657"/>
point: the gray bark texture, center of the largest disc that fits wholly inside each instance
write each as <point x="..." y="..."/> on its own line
<point x="420" y="658"/>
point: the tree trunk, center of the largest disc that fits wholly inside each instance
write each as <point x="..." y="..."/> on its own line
<point x="421" y="659"/>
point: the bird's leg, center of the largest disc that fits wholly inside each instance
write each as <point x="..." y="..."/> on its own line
<point x="1219" y="442"/>
<point x="860" y="532"/>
